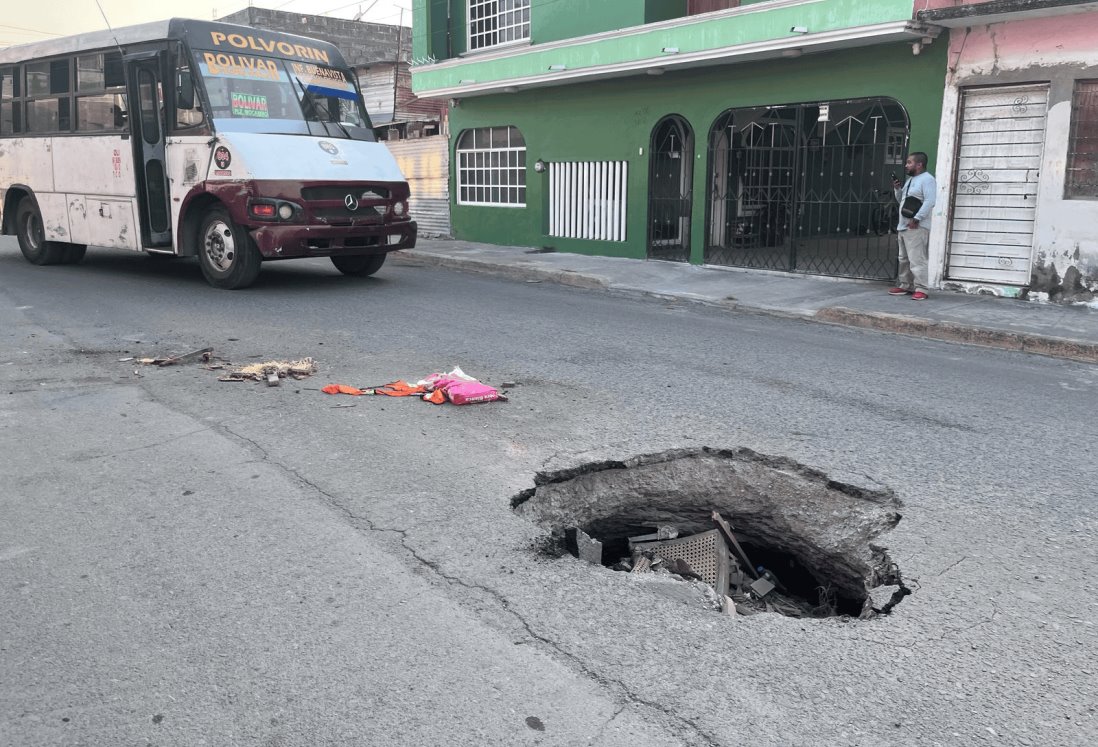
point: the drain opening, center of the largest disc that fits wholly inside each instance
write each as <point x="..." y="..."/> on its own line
<point x="813" y="538"/>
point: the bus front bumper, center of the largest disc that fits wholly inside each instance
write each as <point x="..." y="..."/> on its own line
<point x="283" y="241"/>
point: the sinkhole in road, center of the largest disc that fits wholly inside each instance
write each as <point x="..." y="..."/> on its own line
<point x="817" y="535"/>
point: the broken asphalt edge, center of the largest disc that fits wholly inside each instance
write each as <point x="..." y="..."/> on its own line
<point x="1046" y="345"/>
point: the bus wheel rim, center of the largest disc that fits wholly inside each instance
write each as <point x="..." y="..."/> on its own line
<point x="33" y="232"/>
<point x="219" y="245"/>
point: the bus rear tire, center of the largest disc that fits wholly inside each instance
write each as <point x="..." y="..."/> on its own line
<point x="361" y="266"/>
<point x="32" y="236"/>
<point x="227" y="255"/>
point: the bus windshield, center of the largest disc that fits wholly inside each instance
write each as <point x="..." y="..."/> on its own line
<point x="270" y="95"/>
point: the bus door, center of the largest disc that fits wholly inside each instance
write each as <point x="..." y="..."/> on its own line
<point x="143" y="81"/>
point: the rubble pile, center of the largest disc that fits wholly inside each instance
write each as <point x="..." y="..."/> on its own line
<point x="715" y="558"/>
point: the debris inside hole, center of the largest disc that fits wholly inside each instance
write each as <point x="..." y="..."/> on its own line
<point x="766" y="533"/>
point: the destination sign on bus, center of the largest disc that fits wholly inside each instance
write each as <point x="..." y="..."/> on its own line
<point x="317" y="71"/>
<point x="258" y="43"/>
<point x="241" y="66"/>
<point x="249" y="105"/>
<point x="324" y="80"/>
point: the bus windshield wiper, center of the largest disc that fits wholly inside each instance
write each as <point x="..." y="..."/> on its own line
<point x="308" y="100"/>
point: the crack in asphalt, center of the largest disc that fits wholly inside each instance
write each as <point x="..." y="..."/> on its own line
<point x="951" y="566"/>
<point x="957" y="631"/>
<point x="602" y="730"/>
<point x="333" y="504"/>
<point x="143" y="447"/>
<point x="576" y="661"/>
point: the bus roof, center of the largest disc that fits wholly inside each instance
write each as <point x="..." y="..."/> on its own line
<point x="172" y="28"/>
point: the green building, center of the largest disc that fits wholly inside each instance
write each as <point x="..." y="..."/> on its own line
<point x="729" y="132"/>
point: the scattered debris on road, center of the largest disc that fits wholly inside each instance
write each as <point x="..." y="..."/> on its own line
<point x="205" y="354"/>
<point x="455" y="387"/>
<point x="272" y="371"/>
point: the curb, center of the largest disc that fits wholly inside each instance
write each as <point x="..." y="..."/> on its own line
<point x="1054" y="347"/>
<point x="487" y="267"/>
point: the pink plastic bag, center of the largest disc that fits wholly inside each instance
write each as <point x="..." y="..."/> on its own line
<point x="469" y="392"/>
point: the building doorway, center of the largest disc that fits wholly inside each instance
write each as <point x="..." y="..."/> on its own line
<point x="995" y="191"/>
<point x="807" y="187"/>
<point x="670" y="196"/>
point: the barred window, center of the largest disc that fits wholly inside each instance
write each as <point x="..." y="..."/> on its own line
<point x="1082" y="160"/>
<point x="491" y="169"/>
<point x="495" y="22"/>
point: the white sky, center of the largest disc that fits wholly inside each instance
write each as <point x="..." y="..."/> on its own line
<point x="25" y="21"/>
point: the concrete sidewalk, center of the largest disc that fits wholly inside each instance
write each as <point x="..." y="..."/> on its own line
<point x="1011" y="324"/>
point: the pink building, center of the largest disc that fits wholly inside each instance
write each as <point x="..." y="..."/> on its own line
<point x="1018" y="155"/>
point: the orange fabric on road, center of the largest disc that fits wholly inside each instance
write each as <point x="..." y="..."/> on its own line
<point x="399" y="388"/>
<point x="342" y="389"/>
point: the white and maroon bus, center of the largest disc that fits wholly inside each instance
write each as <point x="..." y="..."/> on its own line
<point x="190" y="138"/>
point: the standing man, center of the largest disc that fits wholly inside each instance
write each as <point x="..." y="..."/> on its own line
<point x="914" y="233"/>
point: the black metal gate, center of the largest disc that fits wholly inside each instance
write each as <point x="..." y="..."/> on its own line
<point x="669" y="190"/>
<point x="807" y="188"/>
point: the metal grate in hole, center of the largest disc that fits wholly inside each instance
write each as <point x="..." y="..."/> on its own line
<point x="706" y="553"/>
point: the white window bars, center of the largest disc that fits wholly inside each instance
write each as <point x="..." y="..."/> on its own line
<point x="587" y="200"/>
<point x="491" y="167"/>
<point x="495" y="22"/>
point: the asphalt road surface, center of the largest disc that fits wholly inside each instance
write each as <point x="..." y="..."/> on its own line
<point x="185" y="561"/>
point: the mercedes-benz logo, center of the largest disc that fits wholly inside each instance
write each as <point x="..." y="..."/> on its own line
<point x="351" y="202"/>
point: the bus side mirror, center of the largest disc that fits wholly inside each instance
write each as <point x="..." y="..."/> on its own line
<point x="184" y="90"/>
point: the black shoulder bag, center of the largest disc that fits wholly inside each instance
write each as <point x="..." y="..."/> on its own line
<point x="911" y="206"/>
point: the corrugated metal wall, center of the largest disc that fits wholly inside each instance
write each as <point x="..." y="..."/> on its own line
<point x="377" y="91"/>
<point x="425" y="163"/>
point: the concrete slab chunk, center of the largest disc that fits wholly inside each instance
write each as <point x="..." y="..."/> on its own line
<point x="583" y="546"/>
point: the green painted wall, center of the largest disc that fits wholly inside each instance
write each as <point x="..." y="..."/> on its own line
<point x="565" y="19"/>
<point x="429" y="30"/>
<point x="766" y="24"/>
<point x="612" y="120"/>
<point x="435" y="34"/>
<point x="562" y="19"/>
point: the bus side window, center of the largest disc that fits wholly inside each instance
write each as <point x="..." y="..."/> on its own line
<point x="100" y="92"/>
<point x="9" y="91"/>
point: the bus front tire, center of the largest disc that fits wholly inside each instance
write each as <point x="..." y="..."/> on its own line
<point x="361" y="266"/>
<point x="32" y="236"/>
<point x="227" y="255"/>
